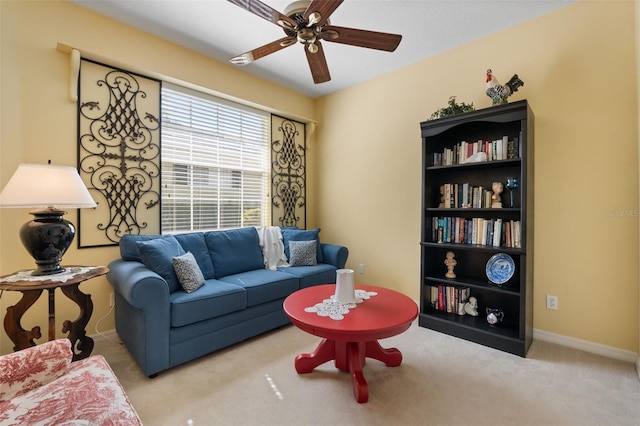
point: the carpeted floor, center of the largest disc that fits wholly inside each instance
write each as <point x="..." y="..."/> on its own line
<point x="442" y="381"/>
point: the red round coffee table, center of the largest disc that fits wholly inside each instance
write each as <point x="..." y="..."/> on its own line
<point x="354" y="338"/>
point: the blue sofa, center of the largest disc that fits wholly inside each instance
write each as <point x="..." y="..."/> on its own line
<point x="162" y="325"/>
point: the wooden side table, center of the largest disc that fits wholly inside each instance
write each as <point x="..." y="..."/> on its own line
<point x="31" y="289"/>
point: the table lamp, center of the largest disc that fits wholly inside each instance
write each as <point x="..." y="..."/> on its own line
<point x="47" y="188"/>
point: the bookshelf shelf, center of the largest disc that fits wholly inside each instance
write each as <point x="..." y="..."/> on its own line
<point x="485" y="164"/>
<point x="475" y="234"/>
<point x="473" y="283"/>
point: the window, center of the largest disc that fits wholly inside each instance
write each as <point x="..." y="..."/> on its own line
<point x="215" y="163"/>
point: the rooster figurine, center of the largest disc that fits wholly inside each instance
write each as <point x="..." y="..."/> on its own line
<point x="499" y="93"/>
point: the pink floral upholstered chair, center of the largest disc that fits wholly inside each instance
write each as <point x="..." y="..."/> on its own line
<point x="40" y="385"/>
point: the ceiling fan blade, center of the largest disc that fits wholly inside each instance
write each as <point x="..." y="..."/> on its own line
<point x="262" y="51"/>
<point x="264" y="11"/>
<point x="324" y="7"/>
<point x="361" y="38"/>
<point x="318" y="64"/>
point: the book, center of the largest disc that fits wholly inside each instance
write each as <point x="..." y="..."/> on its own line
<point x="434" y="297"/>
<point x="448" y="298"/>
<point x="497" y="232"/>
<point x="502" y="148"/>
<point x="517" y="243"/>
<point x="505" y="148"/>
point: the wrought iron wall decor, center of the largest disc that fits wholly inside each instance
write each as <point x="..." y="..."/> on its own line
<point x="288" y="173"/>
<point x="118" y="153"/>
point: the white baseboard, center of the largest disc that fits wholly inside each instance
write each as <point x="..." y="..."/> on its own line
<point x="584" y="345"/>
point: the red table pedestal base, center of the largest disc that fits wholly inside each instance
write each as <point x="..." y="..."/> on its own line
<point x="350" y="357"/>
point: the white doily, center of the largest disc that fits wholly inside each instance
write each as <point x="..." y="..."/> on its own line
<point x="336" y="311"/>
<point x="71" y="272"/>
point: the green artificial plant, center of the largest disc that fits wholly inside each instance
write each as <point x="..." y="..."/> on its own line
<point x="452" y="109"/>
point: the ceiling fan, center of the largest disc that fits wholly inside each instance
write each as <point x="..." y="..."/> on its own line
<point x="307" y="22"/>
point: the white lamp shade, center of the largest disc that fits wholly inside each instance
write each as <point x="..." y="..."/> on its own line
<point x="46" y="185"/>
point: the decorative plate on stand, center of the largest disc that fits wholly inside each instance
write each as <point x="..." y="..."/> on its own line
<point x="500" y="268"/>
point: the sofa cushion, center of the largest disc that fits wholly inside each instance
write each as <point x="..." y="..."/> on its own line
<point x="303" y="253"/>
<point x="322" y="273"/>
<point x="289" y="234"/>
<point x="234" y="251"/>
<point x="195" y="243"/>
<point x="129" y="246"/>
<point x="188" y="272"/>
<point x="264" y="285"/>
<point x="157" y="254"/>
<point x="215" y="298"/>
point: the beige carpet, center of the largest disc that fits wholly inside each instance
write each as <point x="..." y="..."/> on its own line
<point x="442" y="381"/>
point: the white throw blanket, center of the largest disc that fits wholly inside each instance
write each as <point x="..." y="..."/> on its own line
<point x="272" y="246"/>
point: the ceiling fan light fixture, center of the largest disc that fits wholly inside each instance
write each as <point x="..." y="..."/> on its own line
<point x="312" y="47"/>
<point x="286" y="25"/>
<point x="243" y="59"/>
<point x="306" y="35"/>
<point x="314" y="18"/>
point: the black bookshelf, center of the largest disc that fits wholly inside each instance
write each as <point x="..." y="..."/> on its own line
<point x="510" y="122"/>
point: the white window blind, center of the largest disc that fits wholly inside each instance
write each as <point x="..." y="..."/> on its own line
<point x="215" y="157"/>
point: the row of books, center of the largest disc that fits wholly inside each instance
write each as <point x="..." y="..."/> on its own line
<point x="477" y="230"/>
<point x="499" y="149"/>
<point x="464" y="195"/>
<point x="449" y="299"/>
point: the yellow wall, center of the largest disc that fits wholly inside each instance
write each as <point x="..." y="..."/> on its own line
<point x="637" y="2"/>
<point x="38" y="122"/>
<point x="578" y="65"/>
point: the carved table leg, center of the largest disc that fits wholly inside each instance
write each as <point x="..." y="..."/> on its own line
<point x="392" y="357"/>
<point x="305" y="363"/>
<point x="52" y="313"/>
<point x="77" y="333"/>
<point x="22" y="338"/>
<point x="359" y="383"/>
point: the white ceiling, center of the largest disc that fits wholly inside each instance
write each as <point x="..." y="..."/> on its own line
<point x="221" y="30"/>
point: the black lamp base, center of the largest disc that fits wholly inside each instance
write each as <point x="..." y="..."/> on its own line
<point x="47" y="237"/>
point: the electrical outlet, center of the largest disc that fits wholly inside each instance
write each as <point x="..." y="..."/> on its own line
<point x="112" y="300"/>
<point x="361" y="268"/>
<point x="552" y="302"/>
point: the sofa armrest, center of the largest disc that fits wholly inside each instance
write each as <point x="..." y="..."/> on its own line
<point x="334" y="254"/>
<point x="28" y="369"/>
<point x="138" y="285"/>
<point x="143" y="313"/>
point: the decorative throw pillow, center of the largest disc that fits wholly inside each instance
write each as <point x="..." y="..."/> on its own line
<point x="234" y="251"/>
<point x="157" y="254"/>
<point x="289" y="234"/>
<point x="188" y="272"/>
<point x="129" y="245"/>
<point x="196" y="244"/>
<point x="303" y="253"/>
